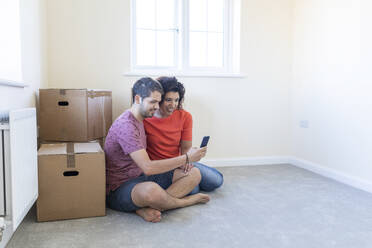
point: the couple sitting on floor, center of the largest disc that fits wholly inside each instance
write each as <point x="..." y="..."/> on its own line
<point x="150" y="161"/>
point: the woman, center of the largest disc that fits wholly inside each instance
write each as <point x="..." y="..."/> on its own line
<point x="169" y="133"/>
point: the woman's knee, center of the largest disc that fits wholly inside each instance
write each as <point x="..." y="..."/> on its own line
<point x="211" y="178"/>
<point x="212" y="184"/>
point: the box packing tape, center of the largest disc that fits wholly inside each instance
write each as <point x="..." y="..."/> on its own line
<point x="70" y="155"/>
<point x="93" y="94"/>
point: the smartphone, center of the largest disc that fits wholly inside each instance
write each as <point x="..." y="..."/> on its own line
<point x="204" y="141"/>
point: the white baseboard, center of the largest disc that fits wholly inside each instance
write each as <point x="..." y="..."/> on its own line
<point x="307" y="165"/>
<point x="333" y="174"/>
<point x="248" y="161"/>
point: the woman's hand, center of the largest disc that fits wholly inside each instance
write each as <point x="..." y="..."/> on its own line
<point x="186" y="168"/>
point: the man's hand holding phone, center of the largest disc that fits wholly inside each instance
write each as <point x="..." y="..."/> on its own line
<point x="195" y="154"/>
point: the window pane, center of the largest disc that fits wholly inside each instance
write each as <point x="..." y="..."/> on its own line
<point x="145" y="47"/>
<point x="145" y="13"/>
<point x="10" y="41"/>
<point x="215" y="15"/>
<point x="165" y="14"/>
<point x="215" y="49"/>
<point x="198" y="15"/>
<point x="198" y="49"/>
<point x="165" y="43"/>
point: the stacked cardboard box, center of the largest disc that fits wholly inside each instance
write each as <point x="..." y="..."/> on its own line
<point x="71" y="162"/>
<point x="74" y="114"/>
<point x="71" y="181"/>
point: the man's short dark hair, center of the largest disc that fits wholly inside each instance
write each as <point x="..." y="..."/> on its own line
<point x="171" y="84"/>
<point x="145" y="86"/>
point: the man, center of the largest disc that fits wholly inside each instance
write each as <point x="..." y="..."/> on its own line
<point x="134" y="182"/>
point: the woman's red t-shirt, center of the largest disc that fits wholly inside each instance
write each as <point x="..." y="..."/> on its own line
<point x="164" y="135"/>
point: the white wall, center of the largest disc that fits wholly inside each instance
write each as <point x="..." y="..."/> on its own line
<point x="328" y="85"/>
<point x="89" y="46"/>
<point x="332" y="86"/>
<point x="33" y="55"/>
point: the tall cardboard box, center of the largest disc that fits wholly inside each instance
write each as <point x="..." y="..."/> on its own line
<point x="72" y="181"/>
<point x="74" y="114"/>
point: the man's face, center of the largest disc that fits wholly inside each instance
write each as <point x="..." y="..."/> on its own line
<point x="150" y="104"/>
<point x="170" y="103"/>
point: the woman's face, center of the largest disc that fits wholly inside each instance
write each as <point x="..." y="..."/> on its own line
<point x="170" y="103"/>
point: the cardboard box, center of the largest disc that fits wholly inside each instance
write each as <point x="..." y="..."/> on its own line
<point x="74" y="114"/>
<point x="100" y="141"/>
<point x="72" y="181"/>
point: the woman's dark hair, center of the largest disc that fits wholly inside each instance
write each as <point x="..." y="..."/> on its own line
<point x="171" y="84"/>
<point x="145" y="86"/>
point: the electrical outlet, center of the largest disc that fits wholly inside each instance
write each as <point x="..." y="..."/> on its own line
<point x="304" y="123"/>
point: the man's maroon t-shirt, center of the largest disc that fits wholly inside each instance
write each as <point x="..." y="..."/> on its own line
<point x="125" y="136"/>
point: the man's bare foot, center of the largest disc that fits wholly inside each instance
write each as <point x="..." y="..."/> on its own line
<point x="149" y="214"/>
<point x="199" y="198"/>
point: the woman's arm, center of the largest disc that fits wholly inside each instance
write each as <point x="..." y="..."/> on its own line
<point x="185" y="146"/>
<point x="186" y="133"/>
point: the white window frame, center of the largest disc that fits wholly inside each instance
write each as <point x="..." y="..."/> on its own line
<point x="11" y="44"/>
<point x="134" y="65"/>
<point x="231" y="45"/>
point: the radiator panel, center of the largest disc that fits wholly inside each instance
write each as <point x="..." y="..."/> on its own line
<point x="23" y="161"/>
<point x="2" y="171"/>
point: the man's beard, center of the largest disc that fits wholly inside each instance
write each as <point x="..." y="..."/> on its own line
<point x="146" y="114"/>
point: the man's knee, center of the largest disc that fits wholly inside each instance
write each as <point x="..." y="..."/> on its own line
<point x="150" y="192"/>
<point x="194" y="173"/>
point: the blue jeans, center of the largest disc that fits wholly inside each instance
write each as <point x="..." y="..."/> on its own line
<point x="211" y="179"/>
<point x="121" y="198"/>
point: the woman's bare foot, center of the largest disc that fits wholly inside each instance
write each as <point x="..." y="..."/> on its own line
<point x="198" y="198"/>
<point x="149" y="214"/>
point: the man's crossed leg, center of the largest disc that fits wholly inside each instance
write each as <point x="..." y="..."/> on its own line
<point x="153" y="199"/>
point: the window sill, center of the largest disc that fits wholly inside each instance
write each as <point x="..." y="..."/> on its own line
<point x="10" y="83"/>
<point x="184" y="74"/>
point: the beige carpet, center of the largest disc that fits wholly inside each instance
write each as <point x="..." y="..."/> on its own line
<point x="258" y="206"/>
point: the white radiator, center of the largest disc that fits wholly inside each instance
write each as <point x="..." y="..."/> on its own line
<point x="18" y="173"/>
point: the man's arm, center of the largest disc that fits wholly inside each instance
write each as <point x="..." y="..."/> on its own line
<point x="152" y="167"/>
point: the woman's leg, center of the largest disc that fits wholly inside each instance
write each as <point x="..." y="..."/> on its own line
<point x="195" y="190"/>
<point x="211" y="178"/>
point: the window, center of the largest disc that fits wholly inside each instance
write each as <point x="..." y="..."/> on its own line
<point x="185" y="36"/>
<point x="10" y="41"/>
